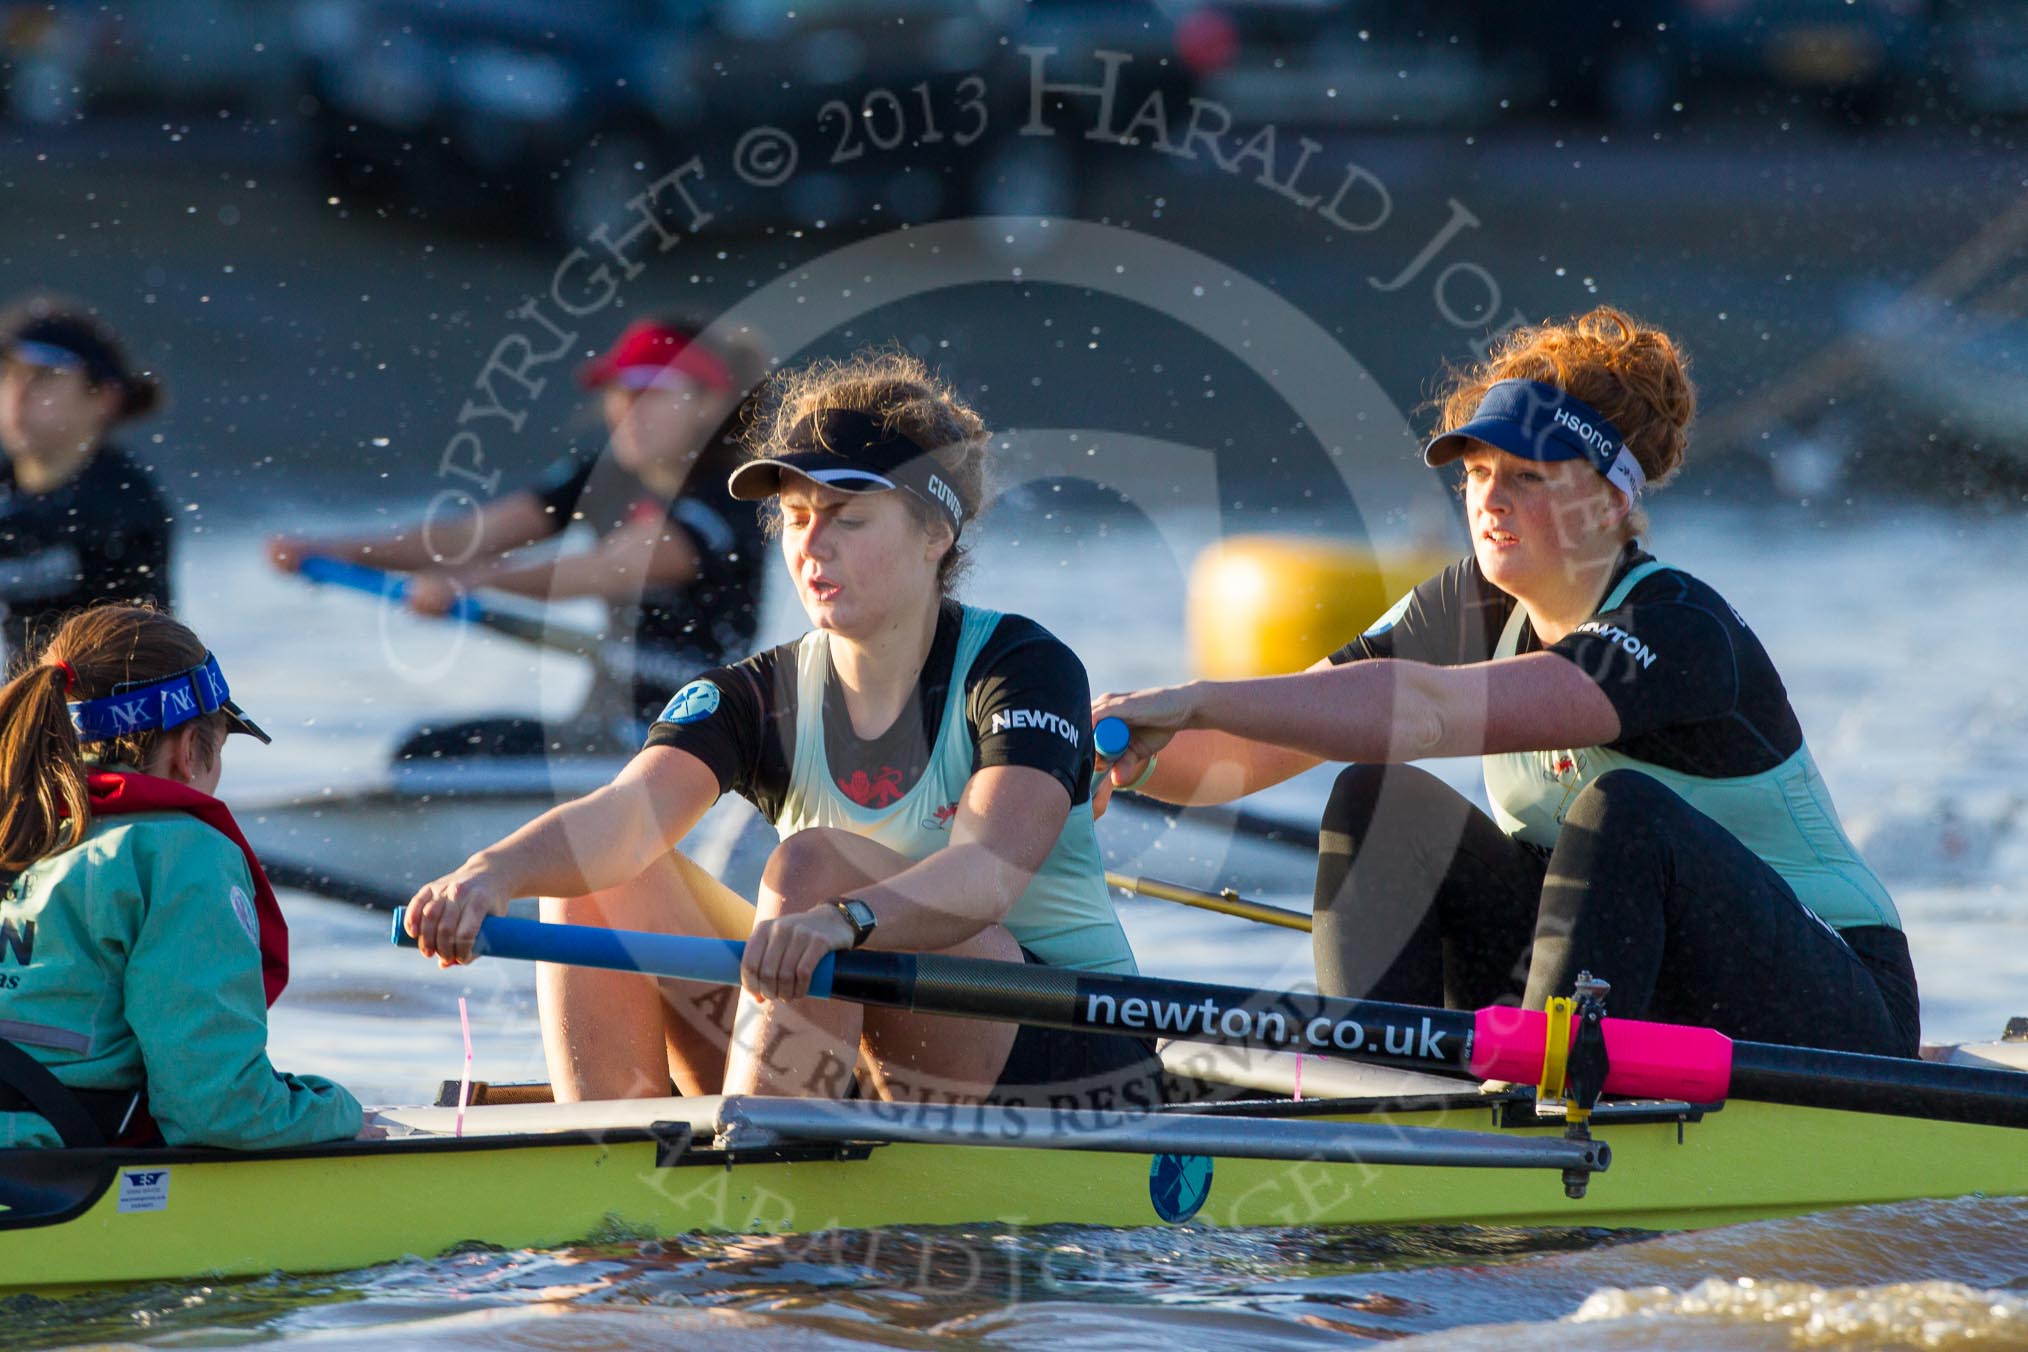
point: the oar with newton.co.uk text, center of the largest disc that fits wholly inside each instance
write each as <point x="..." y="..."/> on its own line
<point x="1644" y="1060"/>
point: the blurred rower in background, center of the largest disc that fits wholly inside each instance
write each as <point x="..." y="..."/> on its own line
<point x="676" y="560"/>
<point x="81" y="521"/>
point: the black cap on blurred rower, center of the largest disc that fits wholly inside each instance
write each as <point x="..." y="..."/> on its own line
<point x="851" y="452"/>
<point x="44" y="334"/>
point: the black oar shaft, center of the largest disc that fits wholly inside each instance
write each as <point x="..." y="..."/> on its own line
<point x="1432" y="1040"/>
<point x="1655" y="1060"/>
<point x="1378" y="1033"/>
<point x="1901" y="1086"/>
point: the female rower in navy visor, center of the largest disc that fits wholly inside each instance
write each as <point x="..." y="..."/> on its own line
<point x="1657" y="817"/>
<point x="81" y="521"/>
<point x="927" y="764"/>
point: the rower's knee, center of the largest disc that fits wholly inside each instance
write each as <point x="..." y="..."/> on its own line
<point x="808" y="869"/>
<point x="1622" y="826"/>
<point x="1622" y="799"/>
<point x="1354" y="795"/>
<point x="1358" y="796"/>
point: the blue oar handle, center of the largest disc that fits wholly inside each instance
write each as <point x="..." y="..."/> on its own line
<point x="672" y="955"/>
<point x="1110" y="737"/>
<point x="378" y="582"/>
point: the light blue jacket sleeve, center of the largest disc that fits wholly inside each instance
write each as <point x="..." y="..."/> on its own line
<point x="195" y="1001"/>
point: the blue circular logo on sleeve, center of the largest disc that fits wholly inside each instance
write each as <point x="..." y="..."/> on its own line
<point x="697" y="700"/>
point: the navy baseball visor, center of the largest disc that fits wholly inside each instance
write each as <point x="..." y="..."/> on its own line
<point x="141" y="706"/>
<point x="1537" y="421"/>
<point x="74" y="343"/>
<point x="851" y="452"/>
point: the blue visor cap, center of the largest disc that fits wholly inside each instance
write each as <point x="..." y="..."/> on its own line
<point x="852" y="452"/>
<point x="49" y="355"/>
<point x="161" y="705"/>
<point x="1537" y="421"/>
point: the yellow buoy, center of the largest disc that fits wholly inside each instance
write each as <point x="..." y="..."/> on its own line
<point x="1261" y="605"/>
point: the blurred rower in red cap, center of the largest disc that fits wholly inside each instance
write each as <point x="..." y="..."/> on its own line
<point x="80" y="520"/>
<point x="676" y="559"/>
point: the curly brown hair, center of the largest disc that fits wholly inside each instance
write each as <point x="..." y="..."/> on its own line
<point x="1633" y="373"/>
<point x="899" y="389"/>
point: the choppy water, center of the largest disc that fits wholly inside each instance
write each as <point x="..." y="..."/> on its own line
<point x="1924" y="1275"/>
<point x="1891" y="635"/>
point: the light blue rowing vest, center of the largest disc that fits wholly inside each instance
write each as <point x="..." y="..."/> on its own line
<point x="1784" y="815"/>
<point x="1065" y="917"/>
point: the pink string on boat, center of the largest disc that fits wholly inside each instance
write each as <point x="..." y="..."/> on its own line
<point x="464" y="1084"/>
<point x="1298" y="1098"/>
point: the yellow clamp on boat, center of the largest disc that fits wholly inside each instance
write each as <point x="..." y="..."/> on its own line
<point x="1550" y="1100"/>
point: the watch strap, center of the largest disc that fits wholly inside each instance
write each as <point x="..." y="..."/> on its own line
<point x="852" y="908"/>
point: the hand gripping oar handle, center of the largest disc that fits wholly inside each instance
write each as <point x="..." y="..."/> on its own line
<point x="377" y="582"/>
<point x="1110" y="737"/>
<point x="715" y="961"/>
<point x="1648" y="1060"/>
<point x="394" y="587"/>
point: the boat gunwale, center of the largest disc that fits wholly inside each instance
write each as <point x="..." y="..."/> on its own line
<point x="662" y="1130"/>
<point x="1506" y="1112"/>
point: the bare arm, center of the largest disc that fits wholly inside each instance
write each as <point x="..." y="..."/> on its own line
<point x="635" y="556"/>
<point x="1009" y="818"/>
<point x="1387" y="710"/>
<point x="1202" y="766"/>
<point x="515" y="520"/>
<point x="598" y="841"/>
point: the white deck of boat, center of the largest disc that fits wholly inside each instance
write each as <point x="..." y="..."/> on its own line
<point x="519" y="1119"/>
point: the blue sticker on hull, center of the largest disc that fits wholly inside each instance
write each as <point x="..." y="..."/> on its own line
<point x="1178" y="1185"/>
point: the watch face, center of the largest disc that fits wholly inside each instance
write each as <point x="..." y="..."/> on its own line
<point x="860" y="912"/>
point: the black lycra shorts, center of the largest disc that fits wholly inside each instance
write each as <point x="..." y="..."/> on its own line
<point x="1052" y="1067"/>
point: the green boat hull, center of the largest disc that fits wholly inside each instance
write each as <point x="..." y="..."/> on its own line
<point x="91" y="1218"/>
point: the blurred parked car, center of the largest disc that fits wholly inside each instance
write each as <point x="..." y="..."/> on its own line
<point x="1853" y="54"/>
<point x="66" y="57"/>
<point x="1379" y="63"/>
<point x="554" y="116"/>
<point x="1352" y="63"/>
<point x="1982" y="53"/>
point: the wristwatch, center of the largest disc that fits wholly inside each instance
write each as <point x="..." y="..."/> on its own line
<point x="859" y="916"/>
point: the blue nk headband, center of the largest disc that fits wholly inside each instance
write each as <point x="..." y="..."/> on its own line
<point x="1537" y="421"/>
<point x="164" y="704"/>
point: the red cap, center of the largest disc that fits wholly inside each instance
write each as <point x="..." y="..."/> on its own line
<point x="646" y="352"/>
